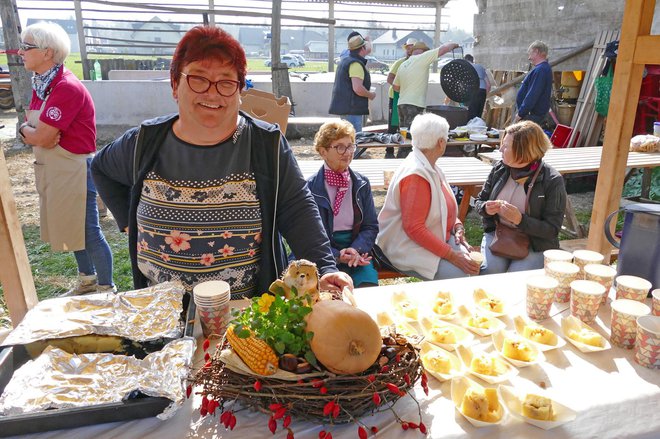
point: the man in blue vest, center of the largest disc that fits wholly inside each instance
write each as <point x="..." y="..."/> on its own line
<point x="351" y="94"/>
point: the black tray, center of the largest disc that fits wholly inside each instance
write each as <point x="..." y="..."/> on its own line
<point x="142" y="406"/>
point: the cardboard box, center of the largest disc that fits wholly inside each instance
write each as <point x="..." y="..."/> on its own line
<point x="263" y="105"/>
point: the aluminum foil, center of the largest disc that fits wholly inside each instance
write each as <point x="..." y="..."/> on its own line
<point x="57" y="379"/>
<point x="139" y="315"/>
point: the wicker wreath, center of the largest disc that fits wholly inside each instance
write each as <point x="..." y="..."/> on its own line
<point x="328" y="398"/>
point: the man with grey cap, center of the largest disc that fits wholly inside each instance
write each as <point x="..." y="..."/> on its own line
<point x="350" y="93"/>
<point x="412" y="82"/>
<point x="393" y="116"/>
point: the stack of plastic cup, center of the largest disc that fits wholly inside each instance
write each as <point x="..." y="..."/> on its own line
<point x="212" y="301"/>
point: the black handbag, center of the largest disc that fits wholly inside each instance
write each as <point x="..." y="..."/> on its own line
<point x="509" y="242"/>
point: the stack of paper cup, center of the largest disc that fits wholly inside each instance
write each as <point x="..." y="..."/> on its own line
<point x="556" y="255"/>
<point x="632" y="287"/>
<point x="565" y="273"/>
<point x="586" y="296"/>
<point x="624" y="321"/>
<point x="656" y="301"/>
<point x="603" y="274"/>
<point x="581" y="258"/>
<point x="212" y="300"/>
<point x="647" y="342"/>
<point x="540" y="295"/>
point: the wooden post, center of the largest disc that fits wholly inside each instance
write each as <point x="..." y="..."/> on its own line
<point x="438" y="30"/>
<point x="637" y="20"/>
<point x="331" y="36"/>
<point x="280" y="71"/>
<point x="15" y="275"/>
<point x="81" y="40"/>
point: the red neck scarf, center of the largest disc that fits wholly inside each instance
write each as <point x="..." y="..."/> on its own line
<point x="339" y="180"/>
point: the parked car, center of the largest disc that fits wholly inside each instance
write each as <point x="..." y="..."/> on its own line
<point x="300" y="58"/>
<point x="289" y="60"/>
<point x="372" y="64"/>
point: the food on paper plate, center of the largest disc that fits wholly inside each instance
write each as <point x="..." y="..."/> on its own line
<point x="485" y="364"/>
<point x="481" y="404"/>
<point x="443" y="304"/>
<point x="587" y="336"/>
<point x="479" y="321"/>
<point x="540" y="334"/>
<point x="443" y="334"/>
<point x="537" y="407"/>
<point x="491" y="304"/>
<point x="517" y="349"/>
<point x="407" y="309"/>
<point x="437" y="361"/>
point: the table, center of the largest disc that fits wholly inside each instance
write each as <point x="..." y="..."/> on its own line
<point x="614" y="397"/>
<point x="468" y="173"/>
<point x="362" y="147"/>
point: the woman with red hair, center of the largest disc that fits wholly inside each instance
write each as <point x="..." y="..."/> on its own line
<point x="208" y="193"/>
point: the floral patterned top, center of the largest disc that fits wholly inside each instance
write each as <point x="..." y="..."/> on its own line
<point x="198" y="216"/>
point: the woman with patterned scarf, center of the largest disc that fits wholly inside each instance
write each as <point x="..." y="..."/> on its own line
<point x="505" y="194"/>
<point x="61" y="128"/>
<point x="345" y="203"/>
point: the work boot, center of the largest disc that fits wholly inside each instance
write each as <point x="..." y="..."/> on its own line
<point x="106" y="289"/>
<point x="86" y="284"/>
<point x="403" y="152"/>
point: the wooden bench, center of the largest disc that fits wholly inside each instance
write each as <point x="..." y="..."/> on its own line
<point x="388" y="274"/>
<point x="570" y="245"/>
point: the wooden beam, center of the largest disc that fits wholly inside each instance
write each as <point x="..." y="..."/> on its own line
<point x="647" y="50"/>
<point x="15" y="275"/>
<point x="637" y="20"/>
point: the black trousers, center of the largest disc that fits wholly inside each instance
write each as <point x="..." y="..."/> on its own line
<point x="476" y="105"/>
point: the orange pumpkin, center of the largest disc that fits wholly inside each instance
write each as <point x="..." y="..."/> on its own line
<point x="346" y="339"/>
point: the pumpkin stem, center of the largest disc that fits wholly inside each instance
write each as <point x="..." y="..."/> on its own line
<point x="355" y="347"/>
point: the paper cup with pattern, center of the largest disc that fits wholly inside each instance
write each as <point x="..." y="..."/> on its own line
<point x="656" y="301"/>
<point x="581" y="258"/>
<point x="586" y="296"/>
<point x="565" y="273"/>
<point x="541" y="292"/>
<point x="632" y="287"/>
<point x="647" y="342"/>
<point x="603" y="274"/>
<point x="212" y="301"/>
<point x="624" y="321"/>
<point x="556" y="255"/>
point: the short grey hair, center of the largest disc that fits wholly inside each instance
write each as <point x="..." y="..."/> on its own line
<point x="427" y="129"/>
<point x="48" y="35"/>
<point x="540" y="46"/>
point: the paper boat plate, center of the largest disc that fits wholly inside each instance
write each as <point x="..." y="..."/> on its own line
<point x="498" y="343"/>
<point x="573" y="323"/>
<point x="398" y="299"/>
<point x="507" y="371"/>
<point x="456" y="365"/>
<point x="520" y="322"/>
<point x="496" y="324"/>
<point x="513" y="398"/>
<point x="403" y="328"/>
<point x="444" y="295"/>
<point x="479" y="295"/>
<point x="460" y="385"/>
<point x="463" y="337"/>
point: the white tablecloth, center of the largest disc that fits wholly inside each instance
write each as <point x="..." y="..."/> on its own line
<point x="614" y="397"/>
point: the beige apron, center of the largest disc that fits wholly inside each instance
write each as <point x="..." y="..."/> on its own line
<point x="61" y="180"/>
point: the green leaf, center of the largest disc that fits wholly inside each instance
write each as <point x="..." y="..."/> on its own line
<point x="311" y="358"/>
<point x="279" y="347"/>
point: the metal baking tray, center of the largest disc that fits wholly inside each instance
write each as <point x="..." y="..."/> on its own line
<point x="137" y="407"/>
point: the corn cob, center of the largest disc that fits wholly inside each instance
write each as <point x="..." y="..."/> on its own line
<point x="256" y="353"/>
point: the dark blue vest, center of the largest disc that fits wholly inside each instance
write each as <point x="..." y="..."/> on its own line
<point x="344" y="100"/>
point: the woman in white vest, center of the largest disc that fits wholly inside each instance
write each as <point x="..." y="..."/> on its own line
<point x="420" y="232"/>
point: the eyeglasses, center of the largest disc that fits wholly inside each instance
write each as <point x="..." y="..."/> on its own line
<point x="341" y="149"/>
<point x="27" y="46"/>
<point x="199" y="84"/>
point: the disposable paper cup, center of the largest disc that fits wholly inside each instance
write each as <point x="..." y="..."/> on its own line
<point x="387" y="178"/>
<point x="213" y="319"/>
<point x="404" y="132"/>
<point x="647" y="342"/>
<point x="656" y="301"/>
<point x="556" y="255"/>
<point x="624" y="321"/>
<point x="212" y="300"/>
<point x="212" y="292"/>
<point x="586" y="296"/>
<point x="541" y="292"/>
<point x="477" y="257"/>
<point x="586" y="257"/>
<point x="603" y="274"/>
<point x="632" y="287"/>
<point x="565" y="273"/>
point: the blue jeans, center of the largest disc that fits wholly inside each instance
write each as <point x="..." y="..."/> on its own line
<point x="496" y="264"/>
<point x="96" y="258"/>
<point x="355" y="120"/>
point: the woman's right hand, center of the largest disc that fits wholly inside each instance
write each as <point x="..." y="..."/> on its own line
<point x="463" y="261"/>
<point x="492" y="207"/>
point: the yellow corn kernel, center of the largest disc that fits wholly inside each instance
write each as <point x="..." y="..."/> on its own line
<point x="256" y="353"/>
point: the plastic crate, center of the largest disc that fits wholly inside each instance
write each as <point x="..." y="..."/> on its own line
<point x="560" y="136"/>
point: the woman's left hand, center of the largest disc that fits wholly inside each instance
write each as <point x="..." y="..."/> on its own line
<point x="510" y="213"/>
<point x="336" y="281"/>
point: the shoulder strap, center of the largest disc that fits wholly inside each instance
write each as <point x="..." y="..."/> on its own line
<point x="531" y="185"/>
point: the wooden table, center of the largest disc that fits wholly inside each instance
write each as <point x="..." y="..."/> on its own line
<point x="460" y="144"/>
<point x="468" y="173"/>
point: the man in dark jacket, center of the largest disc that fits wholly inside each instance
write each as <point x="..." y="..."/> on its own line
<point x="208" y="193"/>
<point x="350" y="93"/>
<point x="533" y="99"/>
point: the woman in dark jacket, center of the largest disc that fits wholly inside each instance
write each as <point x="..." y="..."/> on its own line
<point x="345" y="203"/>
<point x="505" y="192"/>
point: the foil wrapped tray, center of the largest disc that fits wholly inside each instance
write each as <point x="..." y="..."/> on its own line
<point x="137" y="406"/>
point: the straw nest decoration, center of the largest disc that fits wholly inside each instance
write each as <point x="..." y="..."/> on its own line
<point x="376" y="389"/>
